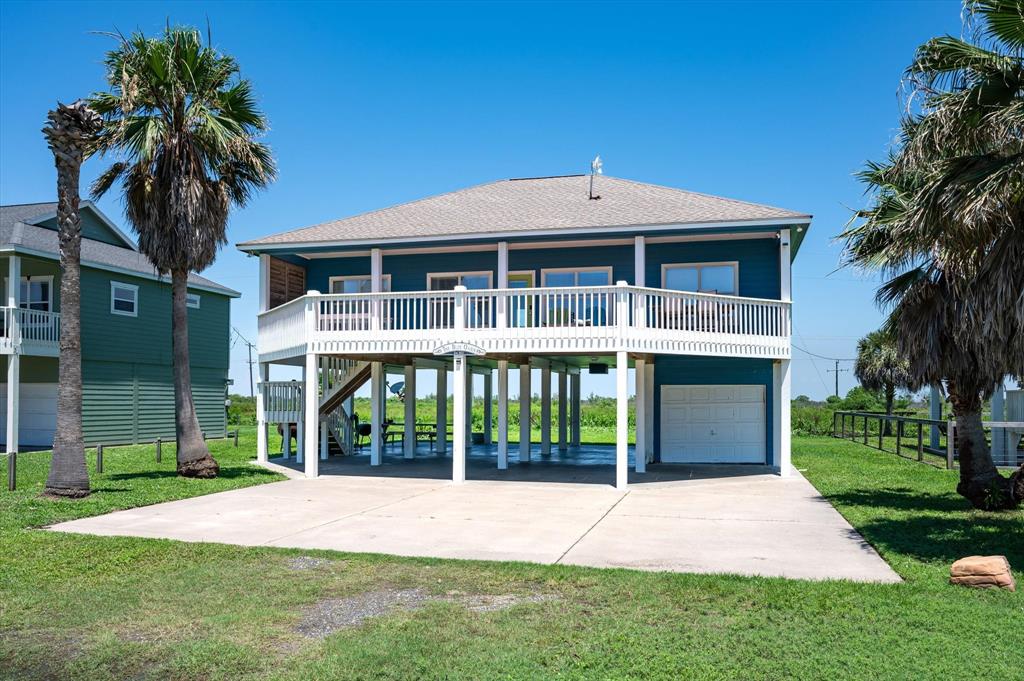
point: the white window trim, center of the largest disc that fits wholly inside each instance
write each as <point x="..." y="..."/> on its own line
<point x="735" y="264"/>
<point x="188" y="300"/>
<point x="36" y="277"/>
<point x="134" y="289"/>
<point x="555" y="270"/>
<point x="348" y="277"/>
<point x="444" y="275"/>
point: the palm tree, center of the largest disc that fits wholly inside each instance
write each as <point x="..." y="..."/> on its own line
<point x="69" y="133"/>
<point x="946" y="227"/>
<point x="184" y="125"/>
<point x="880" y="366"/>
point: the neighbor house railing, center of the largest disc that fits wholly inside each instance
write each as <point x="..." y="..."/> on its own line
<point x="598" y="318"/>
<point x="21" y="325"/>
<point x="927" y="440"/>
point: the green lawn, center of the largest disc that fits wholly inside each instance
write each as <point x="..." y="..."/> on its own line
<point x="111" y="608"/>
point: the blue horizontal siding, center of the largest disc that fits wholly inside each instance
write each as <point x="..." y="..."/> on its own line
<point x="676" y="370"/>
<point x="758" y="262"/>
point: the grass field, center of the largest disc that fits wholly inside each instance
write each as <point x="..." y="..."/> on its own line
<point x="83" y="607"/>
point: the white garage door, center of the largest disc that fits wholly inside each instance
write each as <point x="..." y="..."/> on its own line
<point x="713" y="424"/>
<point x="38" y="414"/>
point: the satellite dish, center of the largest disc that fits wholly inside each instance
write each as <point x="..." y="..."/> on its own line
<point x="396" y="388"/>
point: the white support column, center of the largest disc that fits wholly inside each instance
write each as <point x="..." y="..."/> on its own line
<point x="459" y="422"/>
<point x="563" y="410"/>
<point x="649" y="410"/>
<point x="409" y="433"/>
<point x="469" y="404"/>
<point x="501" y="313"/>
<point x="575" y="410"/>
<point x="13" y="398"/>
<point x="286" y="440"/>
<point x="13" y="360"/>
<point x="376" y="286"/>
<point x="785" y="267"/>
<point x="621" y="420"/>
<point x="640" y="402"/>
<point x="324" y="442"/>
<point x="639" y="277"/>
<point x="311" y="413"/>
<point x="263" y="375"/>
<point x="376" y="412"/>
<point x="264" y="283"/>
<point x="488" y="407"/>
<point x="502" y="414"/>
<point x="441" y="443"/>
<point x="524" y="412"/>
<point x="781" y="417"/>
<point x="545" y="410"/>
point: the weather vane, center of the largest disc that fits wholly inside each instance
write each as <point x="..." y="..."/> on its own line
<point x="596" y="168"/>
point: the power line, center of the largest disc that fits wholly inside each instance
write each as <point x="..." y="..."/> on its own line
<point x="831" y="359"/>
<point x="249" y="346"/>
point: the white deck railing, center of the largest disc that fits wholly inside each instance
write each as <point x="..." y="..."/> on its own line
<point x="282" y="401"/>
<point x="32" y="331"/>
<point x="576" y="319"/>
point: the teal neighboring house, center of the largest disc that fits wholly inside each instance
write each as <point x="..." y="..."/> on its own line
<point x="128" y="387"/>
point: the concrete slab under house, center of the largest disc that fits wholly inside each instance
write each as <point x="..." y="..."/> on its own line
<point x="685" y="298"/>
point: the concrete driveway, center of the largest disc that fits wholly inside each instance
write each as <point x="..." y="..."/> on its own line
<point x="751" y="523"/>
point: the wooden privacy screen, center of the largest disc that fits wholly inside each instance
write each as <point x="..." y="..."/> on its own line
<point x="287" y="282"/>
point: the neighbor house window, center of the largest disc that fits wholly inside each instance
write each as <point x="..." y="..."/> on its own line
<point x="358" y="283"/>
<point x="124" y="299"/>
<point x="36" y="293"/>
<point x="192" y="300"/>
<point x="711" y="277"/>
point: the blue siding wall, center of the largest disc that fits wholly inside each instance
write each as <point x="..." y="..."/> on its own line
<point x="758" y="259"/>
<point x="677" y="370"/>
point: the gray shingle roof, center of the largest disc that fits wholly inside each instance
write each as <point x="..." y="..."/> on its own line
<point x="533" y="204"/>
<point x="17" y="231"/>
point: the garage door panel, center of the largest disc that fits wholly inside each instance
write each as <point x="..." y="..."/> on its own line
<point x="713" y="424"/>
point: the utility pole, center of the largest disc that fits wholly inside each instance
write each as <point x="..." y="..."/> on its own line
<point x="249" y="346"/>
<point x="836" y="371"/>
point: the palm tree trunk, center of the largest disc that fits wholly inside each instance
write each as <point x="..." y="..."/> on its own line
<point x="194" y="459"/>
<point x="890" y="398"/>
<point x="980" y="481"/>
<point x="68" y="476"/>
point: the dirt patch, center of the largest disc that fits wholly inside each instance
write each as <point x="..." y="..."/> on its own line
<point x="306" y="563"/>
<point x="325" y="617"/>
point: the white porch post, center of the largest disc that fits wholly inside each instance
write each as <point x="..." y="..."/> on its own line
<point x="524" y="412"/>
<point x="640" y="449"/>
<point x="376" y="286"/>
<point x="286" y="440"/>
<point x="545" y="410"/>
<point x="639" y="277"/>
<point x="575" y="410"/>
<point x="563" y="410"/>
<point x="502" y="311"/>
<point x="502" y="414"/>
<point x="459" y="419"/>
<point x="441" y="444"/>
<point x="261" y="413"/>
<point x="781" y="414"/>
<point x="300" y="425"/>
<point x="409" y="434"/>
<point x="324" y="443"/>
<point x="264" y="302"/>
<point x="469" y="403"/>
<point x="488" y="407"/>
<point x="311" y="414"/>
<point x="621" y="420"/>
<point x="376" y="415"/>
<point x="649" y="410"/>
<point x="13" y="360"/>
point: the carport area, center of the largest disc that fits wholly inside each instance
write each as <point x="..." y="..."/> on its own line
<point x="707" y="519"/>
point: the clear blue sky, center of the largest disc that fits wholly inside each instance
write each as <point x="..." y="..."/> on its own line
<point x="376" y="104"/>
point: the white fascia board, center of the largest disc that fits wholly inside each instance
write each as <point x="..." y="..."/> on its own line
<point x="250" y="247"/>
<point x="21" y="250"/>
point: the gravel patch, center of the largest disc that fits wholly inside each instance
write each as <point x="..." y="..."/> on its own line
<point x="306" y="563"/>
<point x="325" y="617"/>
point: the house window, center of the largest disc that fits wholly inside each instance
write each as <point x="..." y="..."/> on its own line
<point x="124" y="299"/>
<point x="192" y="300"/>
<point x="36" y="293"/>
<point x="579" y="276"/>
<point x="709" y="277"/>
<point x="358" y="283"/>
<point x="447" y="281"/>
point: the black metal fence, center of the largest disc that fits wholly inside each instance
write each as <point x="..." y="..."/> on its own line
<point x="926" y="440"/>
